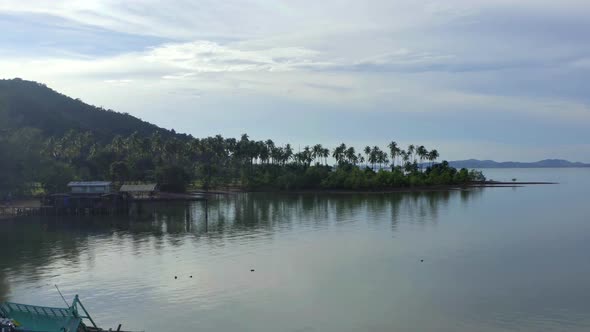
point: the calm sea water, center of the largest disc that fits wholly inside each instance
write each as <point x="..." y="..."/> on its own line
<point x="495" y="259"/>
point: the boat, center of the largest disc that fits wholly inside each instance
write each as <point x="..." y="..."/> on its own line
<point x="16" y="317"/>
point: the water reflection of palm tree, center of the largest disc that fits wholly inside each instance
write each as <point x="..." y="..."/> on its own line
<point x="260" y="215"/>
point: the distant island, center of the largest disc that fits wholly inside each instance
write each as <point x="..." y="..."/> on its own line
<point x="547" y="163"/>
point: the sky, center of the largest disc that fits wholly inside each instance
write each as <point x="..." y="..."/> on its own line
<point x="488" y="79"/>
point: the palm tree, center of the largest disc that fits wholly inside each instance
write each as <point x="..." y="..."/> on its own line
<point x="405" y="157"/>
<point x="350" y="155"/>
<point x="317" y="151"/>
<point x="374" y="156"/>
<point x="360" y="158"/>
<point x="243" y="148"/>
<point x="288" y="153"/>
<point x="394" y="152"/>
<point x="230" y="146"/>
<point x="432" y="156"/>
<point x="411" y="150"/>
<point x="422" y="154"/>
<point x="156" y="144"/>
<point x="325" y="155"/>
<point x="256" y="150"/>
<point x="307" y="156"/>
<point x="367" y="152"/>
<point x="382" y="158"/>
<point x="270" y="146"/>
<point x="263" y="151"/>
<point x="133" y="142"/>
<point x="275" y="154"/>
<point x="278" y="155"/>
<point x="298" y="157"/>
<point x="118" y="144"/>
<point x="338" y="153"/>
<point x="172" y="150"/>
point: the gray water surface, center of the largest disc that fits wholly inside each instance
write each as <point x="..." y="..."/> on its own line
<point x="495" y="259"/>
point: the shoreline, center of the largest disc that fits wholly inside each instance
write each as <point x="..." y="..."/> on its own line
<point x="435" y="188"/>
<point x="191" y="195"/>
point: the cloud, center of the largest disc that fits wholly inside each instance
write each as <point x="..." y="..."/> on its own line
<point x="486" y="59"/>
<point x="53" y="36"/>
<point x="403" y="57"/>
<point x="206" y="56"/>
<point x="119" y="82"/>
<point x="582" y="63"/>
<point x="296" y="73"/>
<point x="177" y="60"/>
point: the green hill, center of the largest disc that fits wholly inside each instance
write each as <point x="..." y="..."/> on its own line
<point x="31" y="104"/>
<point x="47" y="138"/>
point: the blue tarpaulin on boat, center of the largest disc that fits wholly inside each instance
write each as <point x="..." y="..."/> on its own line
<point x="29" y="318"/>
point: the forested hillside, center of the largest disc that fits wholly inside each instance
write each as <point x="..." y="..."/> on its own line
<point x="31" y="104"/>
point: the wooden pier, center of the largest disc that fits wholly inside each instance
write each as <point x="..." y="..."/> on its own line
<point x="16" y="211"/>
<point x="9" y="211"/>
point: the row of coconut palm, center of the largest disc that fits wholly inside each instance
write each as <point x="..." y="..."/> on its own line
<point x="374" y="155"/>
<point x="413" y="155"/>
<point x="267" y="152"/>
<point x="136" y="157"/>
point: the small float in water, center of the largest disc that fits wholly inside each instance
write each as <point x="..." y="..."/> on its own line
<point x="16" y="317"/>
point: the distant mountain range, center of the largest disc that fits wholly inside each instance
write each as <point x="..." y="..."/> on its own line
<point x="547" y="163"/>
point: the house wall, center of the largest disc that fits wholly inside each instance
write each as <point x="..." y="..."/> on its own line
<point x="90" y="189"/>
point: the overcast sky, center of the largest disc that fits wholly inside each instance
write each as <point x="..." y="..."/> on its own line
<point x="489" y="79"/>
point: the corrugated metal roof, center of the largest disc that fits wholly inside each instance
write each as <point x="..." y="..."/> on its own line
<point x="89" y="183"/>
<point x="138" y="187"/>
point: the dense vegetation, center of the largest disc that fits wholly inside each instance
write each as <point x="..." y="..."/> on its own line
<point x="37" y="156"/>
<point x="213" y="162"/>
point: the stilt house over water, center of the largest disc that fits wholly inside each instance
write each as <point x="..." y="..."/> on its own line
<point x="87" y="197"/>
<point x="140" y="191"/>
<point x="90" y="187"/>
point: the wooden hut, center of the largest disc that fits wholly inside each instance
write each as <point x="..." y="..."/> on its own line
<point x="140" y="191"/>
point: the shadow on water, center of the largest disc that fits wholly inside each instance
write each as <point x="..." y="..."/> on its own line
<point x="3" y="287"/>
<point x="30" y="245"/>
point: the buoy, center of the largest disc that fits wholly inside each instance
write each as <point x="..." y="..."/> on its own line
<point x="421" y="260"/>
<point x="252" y="270"/>
<point x="191" y="276"/>
<point x="175" y="277"/>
